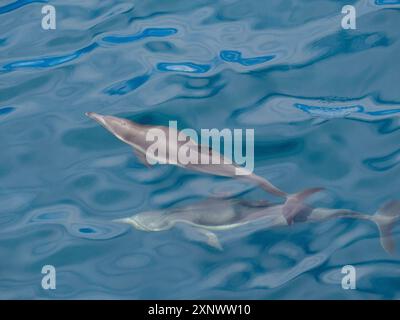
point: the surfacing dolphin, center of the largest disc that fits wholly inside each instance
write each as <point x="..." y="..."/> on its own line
<point x="214" y="215"/>
<point x="134" y="134"/>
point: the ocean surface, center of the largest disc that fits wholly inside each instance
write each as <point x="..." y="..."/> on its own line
<point x="324" y="103"/>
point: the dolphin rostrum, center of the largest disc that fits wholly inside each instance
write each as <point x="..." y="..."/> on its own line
<point x="135" y="135"/>
<point x="214" y="215"/>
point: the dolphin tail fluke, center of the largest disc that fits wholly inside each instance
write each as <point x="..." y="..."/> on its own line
<point x="385" y="218"/>
<point x="294" y="207"/>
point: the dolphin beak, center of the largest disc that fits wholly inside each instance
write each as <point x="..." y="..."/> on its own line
<point x="132" y="221"/>
<point x="96" y="117"/>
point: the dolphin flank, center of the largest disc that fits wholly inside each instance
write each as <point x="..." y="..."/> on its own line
<point x="214" y="215"/>
<point x="134" y="134"/>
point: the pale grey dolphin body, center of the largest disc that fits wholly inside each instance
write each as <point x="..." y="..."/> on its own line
<point x="134" y="134"/>
<point x="208" y="217"/>
<point x="211" y="216"/>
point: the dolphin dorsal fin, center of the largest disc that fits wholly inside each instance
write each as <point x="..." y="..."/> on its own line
<point x="295" y="206"/>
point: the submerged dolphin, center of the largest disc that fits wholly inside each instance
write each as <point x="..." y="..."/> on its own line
<point x="135" y="135"/>
<point x="215" y="215"/>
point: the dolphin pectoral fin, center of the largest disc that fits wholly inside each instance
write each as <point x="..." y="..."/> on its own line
<point x="201" y="235"/>
<point x="142" y="158"/>
<point x="211" y="239"/>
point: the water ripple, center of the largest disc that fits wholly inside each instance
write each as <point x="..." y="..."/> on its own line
<point x="324" y="103"/>
<point x="18" y="4"/>
<point x="386" y="2"/>
<point x="236" y="56"/>
<point x="384" y="163"/>
<point x="6" y="110"/>
<point x="48" y="62"/>
<point x="127" y="86"/>
<point x="149" y="32"/>
<point x="279" y="109"/>
<point x="187" y="67"/>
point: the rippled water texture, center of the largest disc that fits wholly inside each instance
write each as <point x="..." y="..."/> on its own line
<point x="324" y="103"/>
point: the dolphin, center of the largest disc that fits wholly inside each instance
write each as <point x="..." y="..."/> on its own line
<point x="208" y="217"/>
<point x="134" y="134"/>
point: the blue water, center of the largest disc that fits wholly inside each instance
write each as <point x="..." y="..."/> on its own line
<point x="324" y="103"/>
